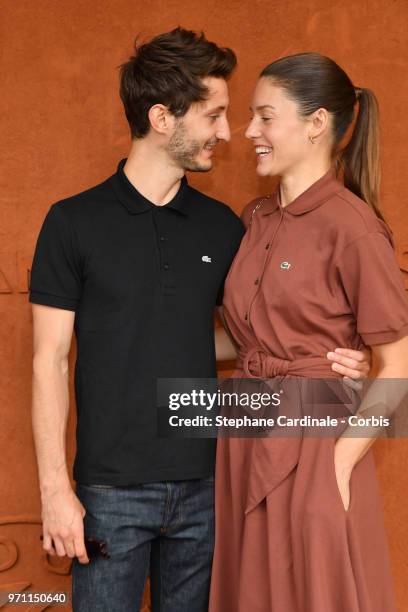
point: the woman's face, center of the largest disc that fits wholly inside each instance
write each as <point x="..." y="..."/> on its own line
<point x="279" y="134"/>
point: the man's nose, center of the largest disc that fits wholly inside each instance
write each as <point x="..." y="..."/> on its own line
<point x="224" y="132"/>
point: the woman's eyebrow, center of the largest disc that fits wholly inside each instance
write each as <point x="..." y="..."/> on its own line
<point x="263" y="107"/>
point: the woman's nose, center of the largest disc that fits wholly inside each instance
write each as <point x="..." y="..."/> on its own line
<point x="252" y="130"/>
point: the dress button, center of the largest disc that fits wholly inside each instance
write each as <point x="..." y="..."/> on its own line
<point x="166" y="266"/>
<point x="267" y="246"/>
<point x="246" y="316"/>
<point x="257" y="281"/>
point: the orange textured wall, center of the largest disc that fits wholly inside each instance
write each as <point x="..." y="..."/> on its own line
<point x="63" y="130"/>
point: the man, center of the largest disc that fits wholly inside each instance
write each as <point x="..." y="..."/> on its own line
<point x="136" y="266"/>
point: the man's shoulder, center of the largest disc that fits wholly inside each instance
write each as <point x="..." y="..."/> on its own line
<point x="87" y="202"/>
<point x="213" y="208"/>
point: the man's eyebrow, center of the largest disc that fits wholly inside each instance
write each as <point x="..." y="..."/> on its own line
<point x="217" y="109"/>
<point x="263" y="107"/>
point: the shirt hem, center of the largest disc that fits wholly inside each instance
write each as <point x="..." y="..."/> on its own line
<point x="134" y="479"/>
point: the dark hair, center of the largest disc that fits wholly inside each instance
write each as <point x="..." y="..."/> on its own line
<point x="169" y="70"/>
<point x="314" y="81"/>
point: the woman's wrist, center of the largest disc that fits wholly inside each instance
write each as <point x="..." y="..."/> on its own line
<point x="344" y="462"/>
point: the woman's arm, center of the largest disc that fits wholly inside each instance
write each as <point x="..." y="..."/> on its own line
<point x="393" y="364"/>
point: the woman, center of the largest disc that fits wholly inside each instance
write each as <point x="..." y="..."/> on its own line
<point x="315" y="269"/>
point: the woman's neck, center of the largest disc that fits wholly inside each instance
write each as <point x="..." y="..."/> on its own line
<point x="295" y="182"/>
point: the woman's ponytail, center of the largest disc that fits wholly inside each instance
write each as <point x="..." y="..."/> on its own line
<point x="360" y="159"/>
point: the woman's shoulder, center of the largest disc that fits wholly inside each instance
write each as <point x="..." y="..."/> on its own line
<point x="355" y="217"/>
<point x="250" y="209"/>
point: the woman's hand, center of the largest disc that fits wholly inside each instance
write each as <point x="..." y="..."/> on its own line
<point x="351" y="364"/>
<point x="343" y="475"/>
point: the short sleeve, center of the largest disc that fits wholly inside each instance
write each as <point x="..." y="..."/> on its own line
<point x="55" y="274"/>
<point x="373" y="284"/>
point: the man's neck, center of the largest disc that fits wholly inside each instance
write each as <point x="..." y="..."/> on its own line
<point x="149" y="171"/>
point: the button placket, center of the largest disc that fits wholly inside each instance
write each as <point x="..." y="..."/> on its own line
<point x="158" y="219"/>
<point x="166" y="263"/>
<point x="258" y="281"/>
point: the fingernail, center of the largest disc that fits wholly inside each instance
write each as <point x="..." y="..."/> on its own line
<point x="330" y="355"/>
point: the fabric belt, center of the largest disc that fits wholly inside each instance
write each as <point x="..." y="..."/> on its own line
<point x="255" y="362"/>
<point x="271" y="459"/>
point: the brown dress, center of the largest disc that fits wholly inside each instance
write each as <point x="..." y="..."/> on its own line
<point x="318" y="274"/>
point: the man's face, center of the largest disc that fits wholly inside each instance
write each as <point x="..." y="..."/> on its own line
<point x="197" y="133"/>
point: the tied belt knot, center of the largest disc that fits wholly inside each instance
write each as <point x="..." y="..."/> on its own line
<point x="256" y="363"/>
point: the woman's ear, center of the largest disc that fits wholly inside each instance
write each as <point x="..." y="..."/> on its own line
<point x="319" y="123"/>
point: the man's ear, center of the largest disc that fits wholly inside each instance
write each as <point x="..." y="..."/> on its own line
<point x="161" y="120"/>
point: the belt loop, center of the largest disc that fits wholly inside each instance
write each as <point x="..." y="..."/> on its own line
<point x="245" y="365"/>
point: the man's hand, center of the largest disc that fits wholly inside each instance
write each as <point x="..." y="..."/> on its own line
<point x="351" y="364"/>
<point x="63" y="525"/>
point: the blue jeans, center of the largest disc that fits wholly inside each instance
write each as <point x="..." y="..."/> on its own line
<point x="175" y="519"/>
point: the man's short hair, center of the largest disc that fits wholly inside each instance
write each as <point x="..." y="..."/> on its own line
<point x="169" y="70"/>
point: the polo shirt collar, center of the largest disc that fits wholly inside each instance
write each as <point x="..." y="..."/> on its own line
<point x="136" y="203"/>
<point x="312" y="198"/>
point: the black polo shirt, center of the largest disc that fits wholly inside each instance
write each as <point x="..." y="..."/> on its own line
<point x="143" y="281"/>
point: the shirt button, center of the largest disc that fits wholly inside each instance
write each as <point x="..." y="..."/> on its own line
<point x="166" y="266"/>
<point x="246" y="316"/>
<point x="257" y="281"/>
<point x="162" y="239"/>
<point x="267" y="246"/>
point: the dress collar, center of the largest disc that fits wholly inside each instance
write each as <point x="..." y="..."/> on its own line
<point x="318" y="193"/>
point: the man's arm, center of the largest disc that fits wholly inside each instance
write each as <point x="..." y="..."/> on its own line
<point x="225" y="347"/>
<point x="348" y="362"/>
<point x="352" y="364"/>
<point x="62" y="512"/>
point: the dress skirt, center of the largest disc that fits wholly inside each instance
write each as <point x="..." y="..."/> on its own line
<point x="284" y="541"/>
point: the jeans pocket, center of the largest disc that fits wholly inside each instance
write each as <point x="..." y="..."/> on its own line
<point x="209" y="480"/>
